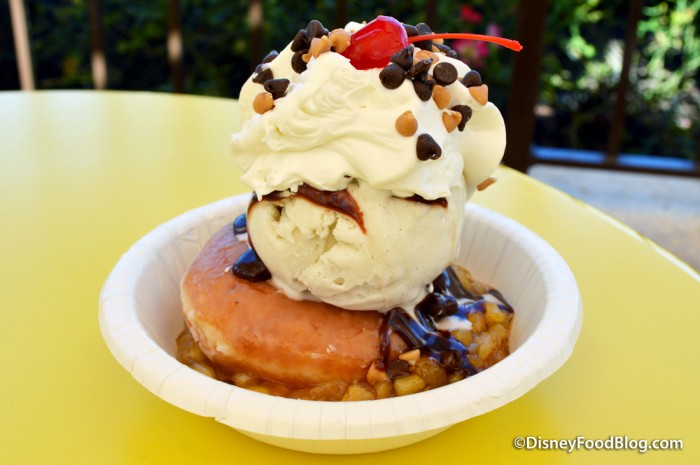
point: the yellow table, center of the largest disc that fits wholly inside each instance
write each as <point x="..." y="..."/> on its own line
<point x="85" y="174"/>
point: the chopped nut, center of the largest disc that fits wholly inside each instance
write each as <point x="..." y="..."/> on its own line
<point x="406" y="124"/>
<point x="375" y="375"/>
<point x="451" y="119"/>
<point x="263" y="102"/>
<point x="410" y="356"/>
<point x="480" y="93"/>
<point x="441" y="97"/>
<point x="340" y="40"/>
<point x="423" y="54"/>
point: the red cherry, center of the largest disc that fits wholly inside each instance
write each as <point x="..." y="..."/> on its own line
<point x="373" y="45"/>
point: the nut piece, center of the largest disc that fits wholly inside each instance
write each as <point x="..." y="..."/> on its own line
<point x="451" y="119"/>
<point x="263" y="102"/>
<point x="375" y="375"/>
<point x="406" y="124"/>
<point x="423" y="54"/>
<point x="485" y="183"/>
<point x="441" y="96"/>
<point x="340" y="40"/>
<point x="410" y="356"/>
<point x="318" y="46"/>
<point x="480" y="93"/>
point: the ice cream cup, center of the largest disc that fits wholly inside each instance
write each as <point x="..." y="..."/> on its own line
<point x="140" y="316"/>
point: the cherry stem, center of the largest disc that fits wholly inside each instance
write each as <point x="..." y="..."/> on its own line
<point x="508" y="43"/>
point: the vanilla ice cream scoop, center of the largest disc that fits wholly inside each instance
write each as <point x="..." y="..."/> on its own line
<point x="407" y="144"/>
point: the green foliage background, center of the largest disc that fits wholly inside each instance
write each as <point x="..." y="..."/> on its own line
<point x="582" y="59"/>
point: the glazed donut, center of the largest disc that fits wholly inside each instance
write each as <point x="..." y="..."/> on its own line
<point x="251" y="327"/>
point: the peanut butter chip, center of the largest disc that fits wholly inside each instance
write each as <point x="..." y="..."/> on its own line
<point x="441" y="96"/>
<point x="263" y="102"/>
<point x="406" y="124"/>
<point x="340" y="40"/>
<point x="485" y="183"/>
<point x="480" y="93"/>
<point x="451" y="119"/>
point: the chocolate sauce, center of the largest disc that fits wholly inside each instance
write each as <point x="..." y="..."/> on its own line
<point x="441" y="202"/>
<point x="431" y="342"/>
<point x="341" y="201"/>
<point x="449" y="297"/>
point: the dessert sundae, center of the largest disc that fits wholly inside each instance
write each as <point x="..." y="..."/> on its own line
<point x="362" y="146"/>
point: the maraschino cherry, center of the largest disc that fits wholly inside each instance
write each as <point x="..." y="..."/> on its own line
<point x="373" y="45"/>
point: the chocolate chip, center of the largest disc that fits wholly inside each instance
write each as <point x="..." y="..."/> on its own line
<point x="392" y="76"/>
<point x="411" y="30"/>
<point x="444" y="73"/>
<point x="398" y="369"/>
<point x="466" y="112"/>
<point x="423" y="87"/>
<point x="404" y="57"/>
<point x="249" y="266"/>
<point x="315" y="29"/>
<point x="300" y="41"/>
<point x="427" y="148"/>
<point x="443" y="48"/>
<point x="277" y="87"/>
<point x="264" y="74"/>
<point x="452" y="53"/>
<point x="424" y="29"/>
<point x="240" y="224"/>
<point x="270" y="56"/>
<point x="439" y="305"/>
<point x="421" y="67"/>
<point x="298" y="63"/>
<point x="471" y="79"/>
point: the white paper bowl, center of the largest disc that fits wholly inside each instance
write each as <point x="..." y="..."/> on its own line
<point x="140" y="317"/>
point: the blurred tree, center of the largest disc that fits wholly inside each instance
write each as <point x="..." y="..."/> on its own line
<point x="581" y="66"/>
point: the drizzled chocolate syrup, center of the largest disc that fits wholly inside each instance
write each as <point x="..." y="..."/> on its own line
<point x="448" y="298"/>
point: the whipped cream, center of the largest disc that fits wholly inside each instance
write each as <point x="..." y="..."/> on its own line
<point x="336" y="124"/>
